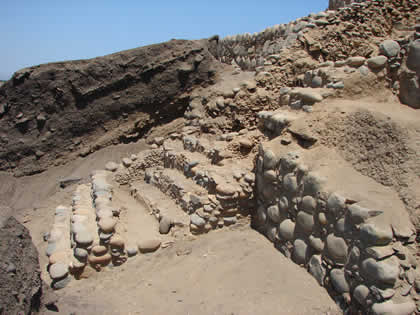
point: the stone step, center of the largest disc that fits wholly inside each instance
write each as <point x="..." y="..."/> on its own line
<point x="111" y="245"/>
<point x="84" y="227"/>
<point x="207" y="211"/>
<point x="164" y="209"/>
<point x="58" y="249"/>
<point x="136" y="222"/>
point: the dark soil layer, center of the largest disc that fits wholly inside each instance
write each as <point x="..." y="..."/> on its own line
<point x="49" y="113"/>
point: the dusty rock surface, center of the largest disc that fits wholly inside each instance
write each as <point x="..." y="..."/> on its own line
<point x="20" y="276"/>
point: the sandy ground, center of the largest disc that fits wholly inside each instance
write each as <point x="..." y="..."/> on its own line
<point x="224" y="272"/>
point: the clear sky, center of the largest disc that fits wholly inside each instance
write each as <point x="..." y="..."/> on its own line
<point x="39" y="31"/>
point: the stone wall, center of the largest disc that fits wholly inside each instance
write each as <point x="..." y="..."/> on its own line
<point x="356" y="21"/>
<point x="355" y="252"/>
<point x="249" y="51"/>
<point x="336" y="4"/>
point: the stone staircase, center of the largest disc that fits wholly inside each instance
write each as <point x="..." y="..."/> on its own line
<point x="104" y="226"/>
<point x="205" y="182"/>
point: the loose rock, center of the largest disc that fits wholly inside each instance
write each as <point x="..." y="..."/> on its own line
<point x="111" y="166"/>
<point x="377" y="62"/>
<point x="148" y="246"/>
<point x="58" y="271"/>
<point x="165" y="225"/>
<point x="389" y="48"/>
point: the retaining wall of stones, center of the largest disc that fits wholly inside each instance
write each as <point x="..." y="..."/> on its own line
<point x="249" y="51"/>
<point x="363" y="265"/>
<point x="336" y="4"/>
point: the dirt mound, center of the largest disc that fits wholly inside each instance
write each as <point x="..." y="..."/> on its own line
<point x="49" y="113"/>
<point x="382" y="147"/>
<point x="20" y="276"/>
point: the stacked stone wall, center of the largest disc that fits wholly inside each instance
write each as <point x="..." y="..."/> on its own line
<point x="363" y="265"/>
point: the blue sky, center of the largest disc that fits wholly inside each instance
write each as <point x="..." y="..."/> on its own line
<point x="34" y="32"/>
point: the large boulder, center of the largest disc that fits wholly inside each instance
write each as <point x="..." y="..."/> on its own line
<point x="20" y="276"/>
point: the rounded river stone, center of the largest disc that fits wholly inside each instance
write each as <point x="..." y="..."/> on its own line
<point x="312" y="183"/>
<point x="270" y="175"/>
<point x="81" y="253"/>
<point x="99" y="250"/>
<point x="270" y="160"/>
<point x="148" y="246"/>
<point x="322" y="218"/>
<point x="58" y="271"/>
<point x="336" y="203"/>
<point x="305" y="221"/>
<point x="316" y="243"/>
<point x="165" y="225"/>
<point x="389" y="48"/>
<point x="287" y="229"/>
<point x="308" y="204"/>
<point x="299" y="251"/>
<point x="337" y="248"/>
<point x="361" y="293"/>
<point x="283" y="204"/>
<point x="261" y="215"/>
<point x="377" y="62"/>
<point x="290" y="183"/>
<point x="107" y="225"/>
<point x="339" y="281"/>
<point x="316" y="269"/>
<point x="274" y="213"/>
<point x="84" y="238"/>
<point x="272" y="233"/>
<point x="197" y="220"/>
